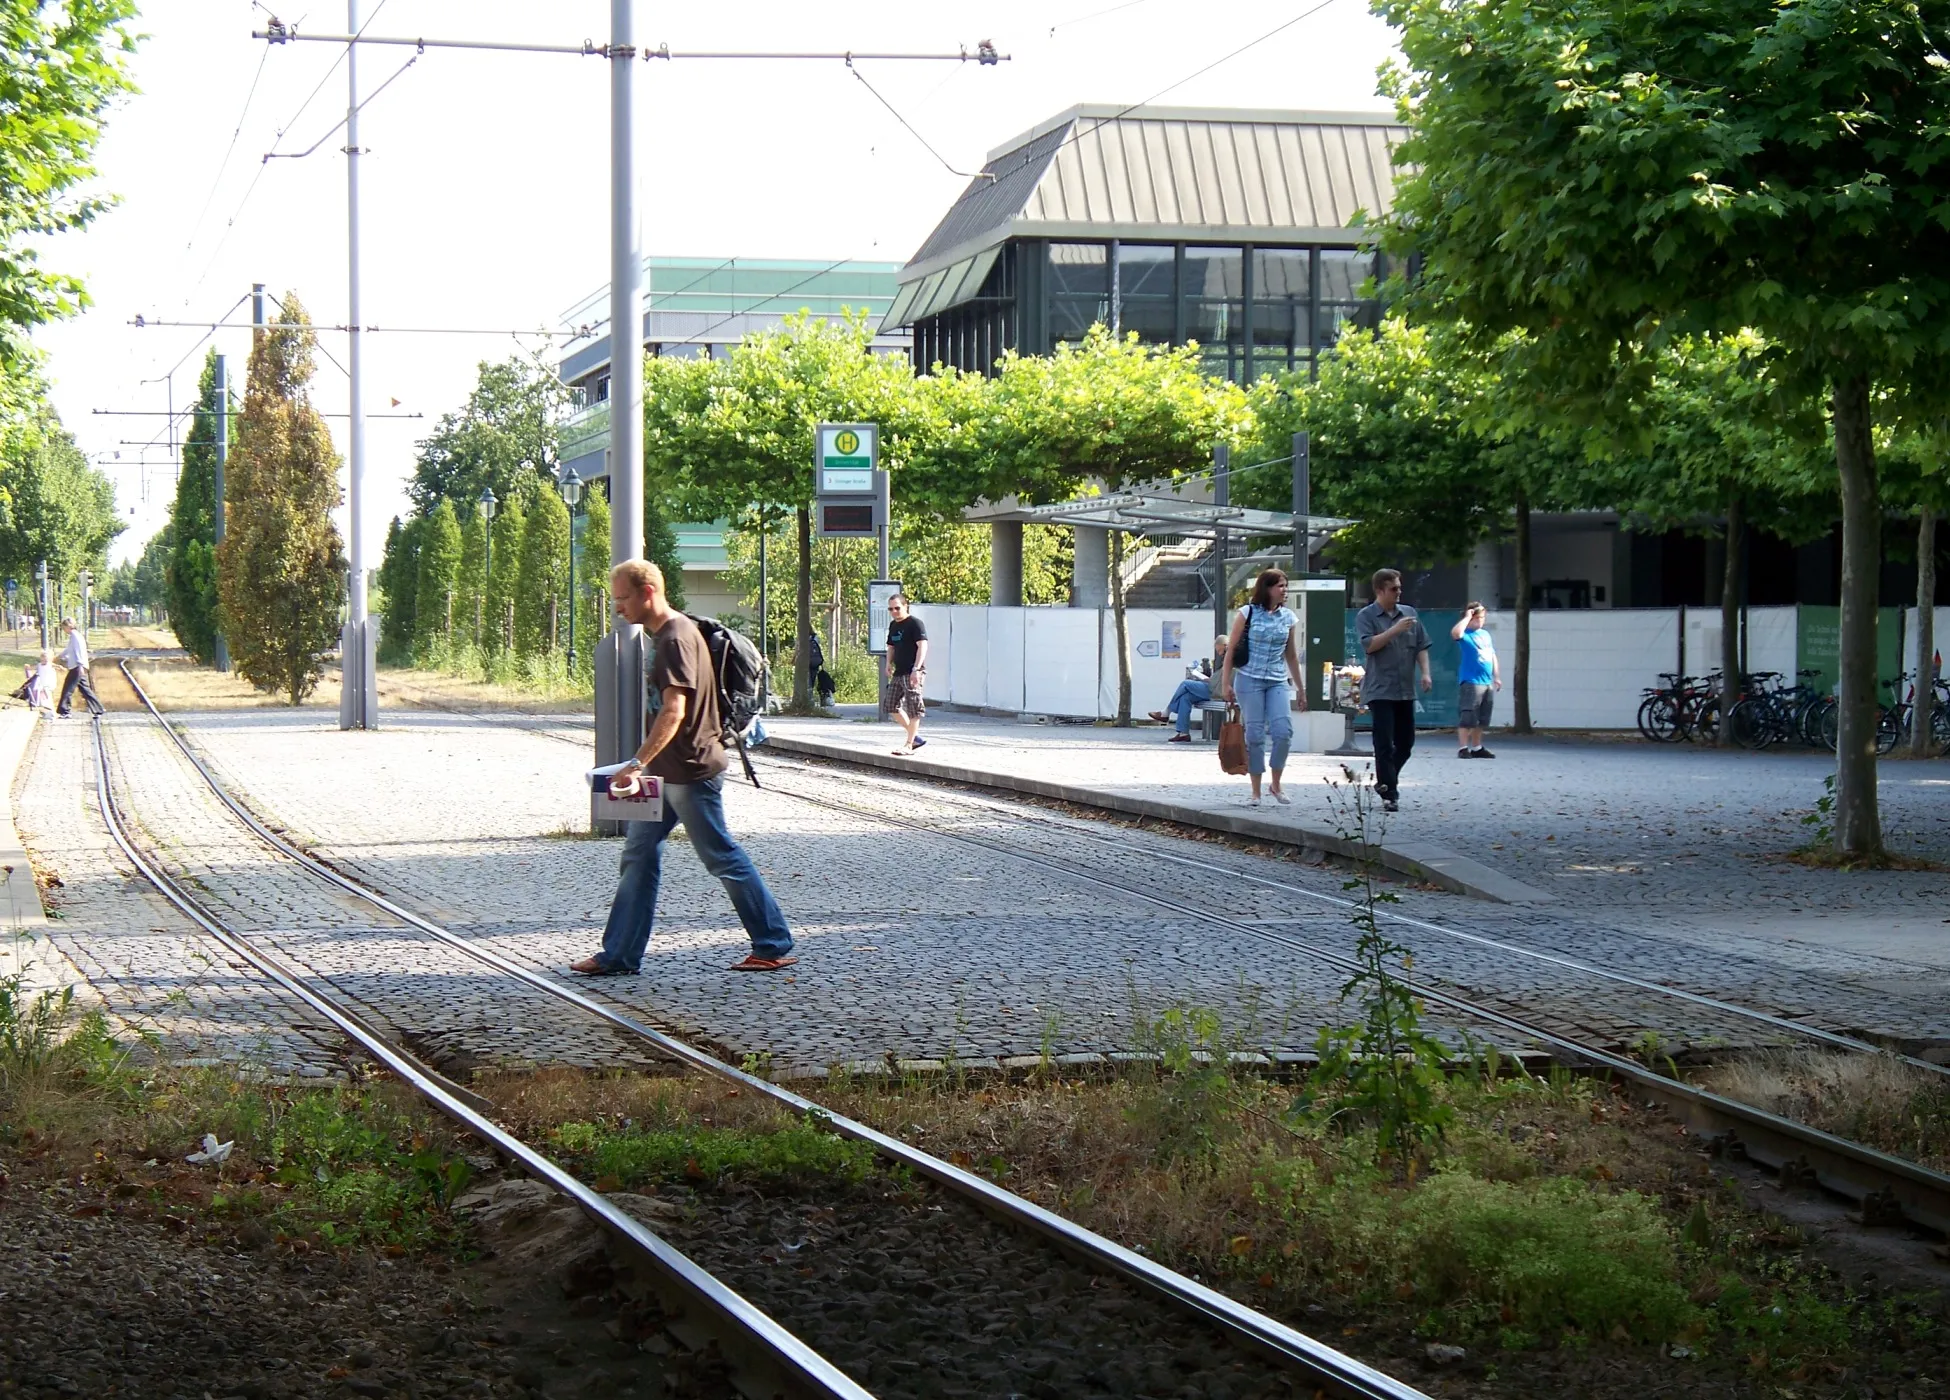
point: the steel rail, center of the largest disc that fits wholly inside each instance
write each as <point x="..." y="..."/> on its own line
<point x="766" y="1359"/>
<point x="1889" y="1188"/>
<point x="1324" y="1365"/>
<point x="1785" y="1023"/>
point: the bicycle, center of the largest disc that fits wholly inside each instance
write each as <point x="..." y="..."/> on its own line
<point x="1772" y="713"/>
<point x="1889" y="726"/>
<point x="1678" y="709"/>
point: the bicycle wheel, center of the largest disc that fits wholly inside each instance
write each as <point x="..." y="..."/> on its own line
<point x="1811" y="718"/>
<point x="1889" y="730"/>
<point x="1940" y="725"/>
<point x="1747" y="724"/>
<point x="1659" y="719"/>
<point x="1706" y="721"/>
<point x="1831" y="726"/>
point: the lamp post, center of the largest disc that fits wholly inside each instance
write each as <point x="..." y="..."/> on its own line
<point x="571" y="489"/>
<point x="487" y="503"/>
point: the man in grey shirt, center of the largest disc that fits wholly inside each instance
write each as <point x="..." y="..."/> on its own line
<point x="1397" y="646"/>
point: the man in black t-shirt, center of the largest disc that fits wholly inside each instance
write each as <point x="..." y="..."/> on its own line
<point x="907" y="670"/>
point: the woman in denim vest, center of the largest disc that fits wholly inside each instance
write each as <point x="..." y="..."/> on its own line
<point x="1264" y="682"/>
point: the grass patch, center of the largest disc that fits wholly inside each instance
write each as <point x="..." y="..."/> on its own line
<point x="1555" y="1218"/>
<point x="1876" y="1100"/>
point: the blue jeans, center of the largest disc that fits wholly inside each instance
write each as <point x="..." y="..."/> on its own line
<point x="1267" y="708"/>
<point x="700" y="806"/>
<point x="1188" y="697"/>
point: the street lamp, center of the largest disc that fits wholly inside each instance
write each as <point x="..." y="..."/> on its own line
<point x="571" y="489"/>
<point x="488" y="503"/>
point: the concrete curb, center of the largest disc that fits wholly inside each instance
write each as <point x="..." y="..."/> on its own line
<point x="1435" y="865"/>
<point x="23" y="907"/>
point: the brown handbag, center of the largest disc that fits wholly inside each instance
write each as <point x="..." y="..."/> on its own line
<point x="1232" y="742"/>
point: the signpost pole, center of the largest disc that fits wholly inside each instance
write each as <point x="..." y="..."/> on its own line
<point x="882" y="499"/>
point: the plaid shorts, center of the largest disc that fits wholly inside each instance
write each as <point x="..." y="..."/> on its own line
<point x="904" y="693"/>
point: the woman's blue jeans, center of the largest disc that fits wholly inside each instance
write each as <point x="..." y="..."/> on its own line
<point x="1267" y="708"/>
<point x="1188" y="697"/>
<point x="700" y="806"/>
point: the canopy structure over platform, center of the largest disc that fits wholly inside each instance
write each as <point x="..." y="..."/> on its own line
<point x="1143" y="514"/>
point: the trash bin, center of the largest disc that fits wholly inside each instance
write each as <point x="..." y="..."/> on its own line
<point x="1212" y="717"/>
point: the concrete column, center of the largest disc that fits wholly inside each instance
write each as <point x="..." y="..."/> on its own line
<point x="1485" y="566"/>
<point x="1090" y="569"/>
<point x="1005" y="564"/>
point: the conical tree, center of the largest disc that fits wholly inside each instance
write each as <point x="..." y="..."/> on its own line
<point x="504" y="564"/>
<point x="469" y="603"/>
<point x="435" y="594"/>
<point x="660" y="546"/>
<point x="592" y="576"/>
<point x="192" y="564"/>
<point x="399" y="576"/>
<point x="281" y="567"/>
<point x="541" y="591"/>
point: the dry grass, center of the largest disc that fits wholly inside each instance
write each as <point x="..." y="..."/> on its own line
<point x="1873" y="1099"/>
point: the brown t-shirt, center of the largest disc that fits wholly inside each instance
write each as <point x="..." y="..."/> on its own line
<point x="696" y="751"/>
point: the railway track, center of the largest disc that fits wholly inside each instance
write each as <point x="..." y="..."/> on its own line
<point x="1886" y="1189"/>
<point x="1077" y="1305"/>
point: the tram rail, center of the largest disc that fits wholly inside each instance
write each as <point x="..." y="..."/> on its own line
<point x="1331" y="1371"/>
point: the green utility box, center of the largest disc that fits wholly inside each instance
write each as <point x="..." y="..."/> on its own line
<point x="1321" y="603"/>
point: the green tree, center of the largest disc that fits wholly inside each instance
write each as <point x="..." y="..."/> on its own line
<point x="541" y="587"/>
<point x="660" y="542"/>
<point x="64" y="66"/>
<point x="504" y="437"/>
<point x="143" y="582"/>
<point x="192" y="567"/>
<point x="57" y="506"/>
<point x="592" y="575"/>
<point x="281" y="568"/>
<point x="1609" y="175"/>
<point x="434" y="593"/>
<point x="737" y="434"/>
<point x="504" y="567"/>
<point x="1413" y="437"/>
<point x="1109" y="412"/>
<point x="399" y="575"/>
<point x="470" y="580"/>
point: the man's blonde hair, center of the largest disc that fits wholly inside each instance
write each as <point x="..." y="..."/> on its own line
<point x="639" y="574"/>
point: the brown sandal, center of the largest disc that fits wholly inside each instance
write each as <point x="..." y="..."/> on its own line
<point x="754" y="963"/>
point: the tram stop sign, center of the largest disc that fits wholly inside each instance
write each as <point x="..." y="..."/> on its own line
<point x="846" y="458"/>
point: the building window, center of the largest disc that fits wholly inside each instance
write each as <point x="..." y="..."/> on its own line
<point x="1342" y="271"/>
<point x="1282" y="309"/>
<point x="1215" y="307"/>
<point x="1147" y="290"/>
<point x="1079" y="289"/>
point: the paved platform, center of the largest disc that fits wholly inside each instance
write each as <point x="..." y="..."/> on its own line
<point x="1678" y="838"/>
<point x="915" y="944"/>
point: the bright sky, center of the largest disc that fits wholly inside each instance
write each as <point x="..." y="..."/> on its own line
<point x="484" y="190"/>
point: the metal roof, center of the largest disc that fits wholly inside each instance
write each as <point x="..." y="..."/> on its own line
<point x="1172" y="174"/>
<point x="1160" y="515"/>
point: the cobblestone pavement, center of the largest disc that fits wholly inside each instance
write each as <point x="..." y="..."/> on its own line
<point x="152" y="970"/>
<point x="452" y="1010"/>
<point x="1679" y="840"/>
<point x="919" y="946"/>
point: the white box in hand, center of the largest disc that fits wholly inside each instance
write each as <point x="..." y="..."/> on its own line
<point x="646" y="806"/>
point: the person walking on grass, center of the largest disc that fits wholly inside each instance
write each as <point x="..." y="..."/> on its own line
<point x="1397" y="646"/>
<point x="1192" y="692"/>
<point x="907" y="670"/>
<point x="74" y="656"/>
<point x="685" y="748"/>
<point x="1477" y="681"/>
<point x="1262" y="674"/>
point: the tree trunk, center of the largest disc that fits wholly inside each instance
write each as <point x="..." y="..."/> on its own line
<point x="1920" y="715"/>
<point x="1858" y="826"/>
<point x="802" y="645"/>
<point x="1123" y="629"/>
<point x="1520" y="676"/>
<point x="1730" y="682"/>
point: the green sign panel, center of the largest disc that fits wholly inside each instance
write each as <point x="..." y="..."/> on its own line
<point x="1818" y="646"/>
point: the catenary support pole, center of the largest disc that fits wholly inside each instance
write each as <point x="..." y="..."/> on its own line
<point x="1221" y="497"/>
<point x="358" y="688"/>
<point x="885" y="564"/>
<point x="619" y="658"/>
<point x="1302" y="502"/>
<point x="221" y="657"/>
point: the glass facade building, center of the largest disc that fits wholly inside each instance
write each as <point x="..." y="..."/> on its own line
<point x="1234" y="230"/>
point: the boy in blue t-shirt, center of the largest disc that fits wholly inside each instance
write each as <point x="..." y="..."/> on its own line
<point x="1477" y="681"/>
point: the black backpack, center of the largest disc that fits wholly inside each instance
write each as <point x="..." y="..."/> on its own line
<point x="741" y="682"/>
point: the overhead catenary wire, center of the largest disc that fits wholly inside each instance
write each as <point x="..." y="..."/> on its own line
<point x="339" y="125"/>
<point x="926" y="144"/>
<point x="144" y="322"/>
<point x="1119" y="115"/>
<point x="229" y="150"/>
